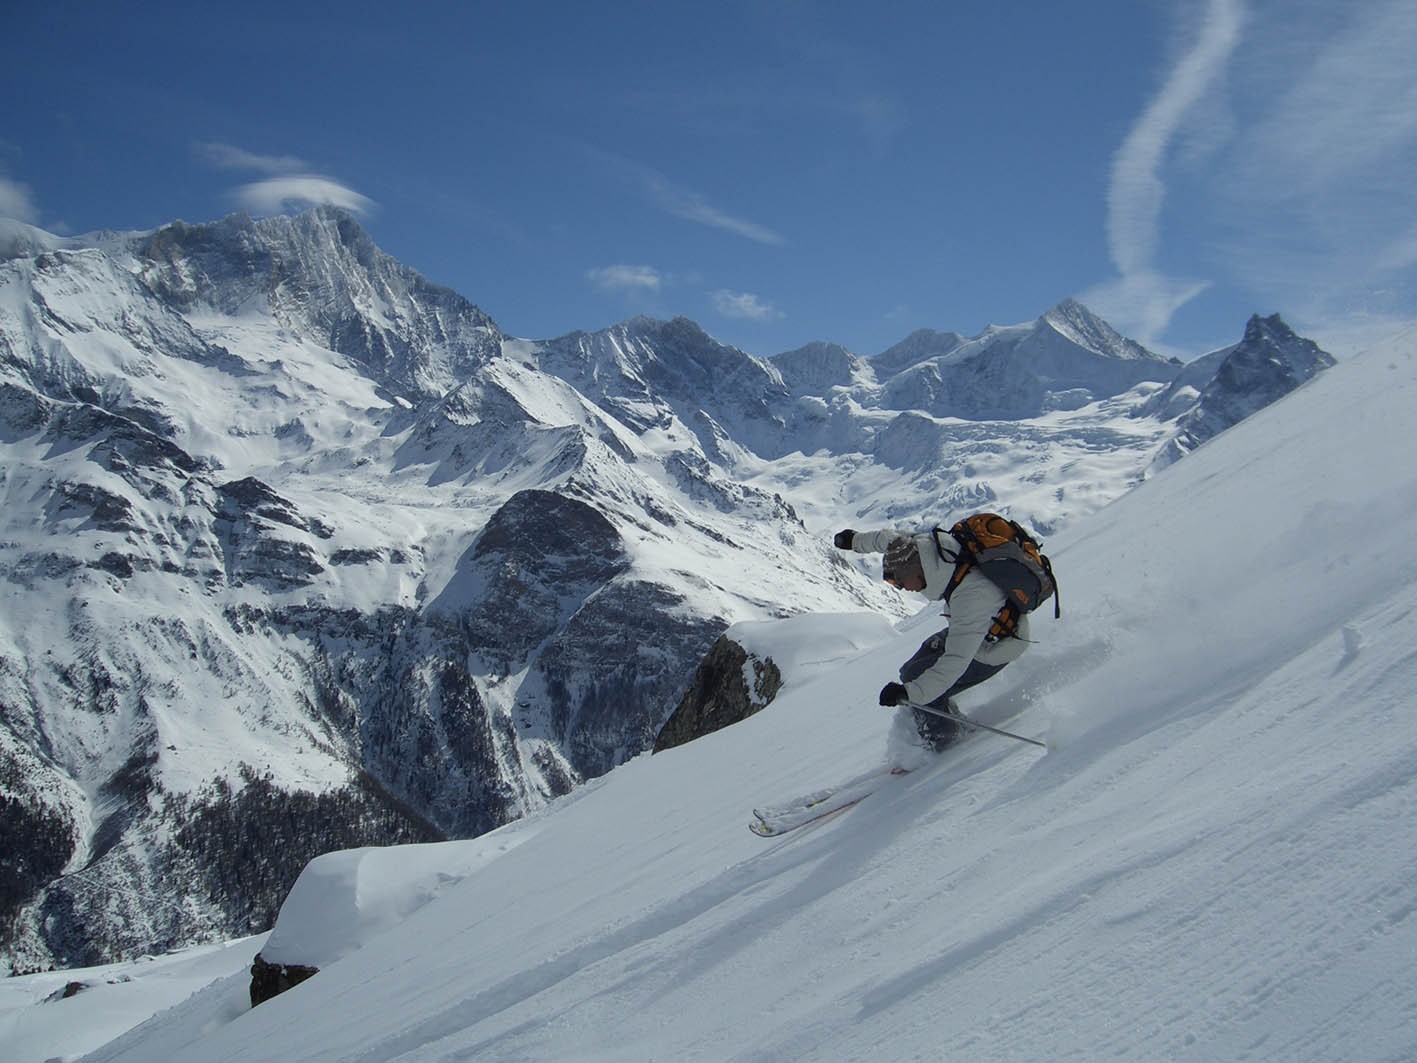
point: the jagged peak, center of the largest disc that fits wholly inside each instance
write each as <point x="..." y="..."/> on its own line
<point x="678" y="327"/>
<point x="819" y="365"/>
<point x="1071" y="307"/>
<point x="1272" y="338"/>
<point x="920" y="345"/>
<point x="1082" y="326"/>
<point x="817" y="349"/>
<point x="1274" y="328"/>
<point x="310" y="240"/>
<point x="324" y="225"/>
<point x="678" y="344"/>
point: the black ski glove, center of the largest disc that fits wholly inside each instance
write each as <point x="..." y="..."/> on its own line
<point x="844" y="539"/>
<point x="893" y="694"/>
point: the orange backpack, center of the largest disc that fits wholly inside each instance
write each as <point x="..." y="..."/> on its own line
<point x="1010" y="557"/>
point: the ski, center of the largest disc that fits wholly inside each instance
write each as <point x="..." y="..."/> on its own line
<point x="815" y="797"/>
<point x="776" y="821"/>
<point x="778" y="825"/>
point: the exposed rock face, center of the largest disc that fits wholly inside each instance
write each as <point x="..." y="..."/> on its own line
<point x="819" y="367"/>
<point x="537" y="562"/>
<point x="323" y="276"/>
<point x="720" y="695"/>
<point x="271" y="979"/>
<point x="1271" y="361"/>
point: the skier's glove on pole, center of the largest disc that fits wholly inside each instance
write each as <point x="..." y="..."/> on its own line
<point x="893" y="694"/>
<point x="844" y="539"/>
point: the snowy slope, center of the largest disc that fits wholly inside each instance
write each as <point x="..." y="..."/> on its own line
<point x="1216" y="861"/>
<point x="38" y="1021"/>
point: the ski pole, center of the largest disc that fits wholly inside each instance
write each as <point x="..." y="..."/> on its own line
<point x="969" y="722"/>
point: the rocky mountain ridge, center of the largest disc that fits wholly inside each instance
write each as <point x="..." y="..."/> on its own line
<point x="292" y="535"/>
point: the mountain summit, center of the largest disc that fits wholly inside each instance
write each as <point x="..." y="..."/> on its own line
<point x="1085" y="329"/>
<point x="1229" y="385"/>
<point x="320" y="275"/>
<point x="1065" y="359"/>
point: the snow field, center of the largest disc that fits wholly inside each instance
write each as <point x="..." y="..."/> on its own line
<point x="37" y="1023"/>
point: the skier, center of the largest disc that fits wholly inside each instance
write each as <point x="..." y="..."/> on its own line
<point x="961" y="654"/>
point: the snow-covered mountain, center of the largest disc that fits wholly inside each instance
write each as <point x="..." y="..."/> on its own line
<point x="300" y="551"/>
<point x="1065" y="359"/>
<point x="1212" y="861"/>
<point x="1225" y="387"/>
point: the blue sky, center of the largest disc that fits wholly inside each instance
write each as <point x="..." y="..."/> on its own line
<point x="778" y="171"/>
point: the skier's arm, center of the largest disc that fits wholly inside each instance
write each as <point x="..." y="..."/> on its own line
<point x="935" y="670"/>
<point x="875" y="542"/>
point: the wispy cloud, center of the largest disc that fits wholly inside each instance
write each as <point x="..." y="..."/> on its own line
<point x="626" y="278"/>
<point x="227" y="157"/>
<point x="276" y="194"/>
<point x="290" y="187"/>
<point x="1142" y="299"/>
<point x="1301" y="198"/>
<point x="17" y="201"/>
<point x="1330" y="158"/>
<point x="1136" y="192"/>
<point x="744" y="306"/>
<point x="682" y="202"/>
<point x="687" y="204"/>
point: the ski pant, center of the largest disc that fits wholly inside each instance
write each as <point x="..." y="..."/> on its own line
<point x="940" y="732"/>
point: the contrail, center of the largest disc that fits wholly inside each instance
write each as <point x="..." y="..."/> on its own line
<point x="1136" y="190"/>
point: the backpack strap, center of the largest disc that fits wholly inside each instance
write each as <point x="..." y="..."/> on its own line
<point x="1048" y="568"/>
<point x="960" y="559"/>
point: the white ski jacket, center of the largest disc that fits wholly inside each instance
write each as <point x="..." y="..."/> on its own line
<point x="970" y="611"/>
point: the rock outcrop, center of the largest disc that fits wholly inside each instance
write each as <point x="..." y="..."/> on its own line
<point x="721" y="694"/>
<point x="271" y="979"/>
